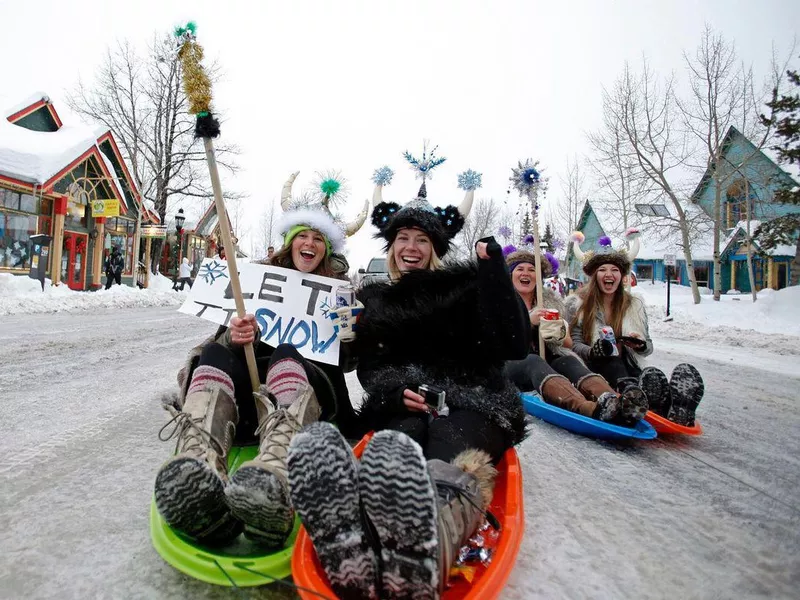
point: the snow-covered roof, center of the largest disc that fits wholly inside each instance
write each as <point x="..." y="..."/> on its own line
<point x="9" y="106"/>
<point x="36" y="156"/>
<point x="742" y="226"/>
<point x="660" y="235"/>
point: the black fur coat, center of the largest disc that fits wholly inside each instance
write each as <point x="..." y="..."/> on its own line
<point x="452" y="328"/>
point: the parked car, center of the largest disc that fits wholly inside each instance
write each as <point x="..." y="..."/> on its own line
<point x="375" y="271"/>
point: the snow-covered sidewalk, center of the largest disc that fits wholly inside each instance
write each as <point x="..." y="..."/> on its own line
<point x="22" y="295"/>
<point x="771" y="323"/>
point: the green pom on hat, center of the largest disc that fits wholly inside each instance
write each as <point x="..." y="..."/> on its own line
<point x="330" y="187"/>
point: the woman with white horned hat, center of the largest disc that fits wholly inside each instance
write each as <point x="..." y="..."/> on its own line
<point x="610" y="332"/>
<point x="217" y="403"/>
<point x="425" y="479"/>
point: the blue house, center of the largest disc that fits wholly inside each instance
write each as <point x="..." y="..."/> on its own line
<point x="750" y="182"/>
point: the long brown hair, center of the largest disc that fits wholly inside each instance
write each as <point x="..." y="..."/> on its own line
<point x="592" y="299"/>
<point x="283" y="258"/>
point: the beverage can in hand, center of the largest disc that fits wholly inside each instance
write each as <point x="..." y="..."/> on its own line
<point x="607" y="333"/>
<point x="345" y="295"/>
<point x="550" y="314"/>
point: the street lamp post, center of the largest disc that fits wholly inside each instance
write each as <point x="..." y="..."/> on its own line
<point x="180" y="219"/>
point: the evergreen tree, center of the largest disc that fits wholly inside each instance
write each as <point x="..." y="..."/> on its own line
<point x="527" y="225"/>
<point x="548" y="237"/>
<point x="786" y="120"/>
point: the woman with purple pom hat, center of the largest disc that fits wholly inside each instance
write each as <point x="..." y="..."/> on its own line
<point x="560" y="377"/>
<point x="610" y="332"/>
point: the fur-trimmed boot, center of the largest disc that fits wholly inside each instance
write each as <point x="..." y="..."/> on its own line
<point x="634" y="402"/>
<point x="258" y="492"/>
<point x="422" y="511"/>
<point x="654" y="384"/>
<point x="464" y="490"/>
<point x="323" y="479"/>
<point x="190" y="486"/>
<point x="687" y="389"/>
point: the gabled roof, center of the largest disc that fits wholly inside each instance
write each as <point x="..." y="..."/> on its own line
<point x="739" y="232"/>
<point x="40" y="159"/>
<point x="734" y="135"/>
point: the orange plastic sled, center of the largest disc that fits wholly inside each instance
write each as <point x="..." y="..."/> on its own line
<point x="665" y="426"/>
<point x="488" y="580"/>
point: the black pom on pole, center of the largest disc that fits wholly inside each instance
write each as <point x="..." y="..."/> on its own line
<point x="207" y="126"/>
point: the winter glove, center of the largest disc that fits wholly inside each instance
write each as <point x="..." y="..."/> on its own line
<point x="344" y="321"/>
<point x="602" y="349"/>
<point x="553" y="331"/>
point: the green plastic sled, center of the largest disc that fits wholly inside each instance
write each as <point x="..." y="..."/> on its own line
<point x="238" y="564"/>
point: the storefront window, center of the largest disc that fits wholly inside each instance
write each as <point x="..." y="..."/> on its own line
<point x="15" y="231"/>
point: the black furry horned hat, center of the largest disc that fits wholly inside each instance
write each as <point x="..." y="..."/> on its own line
<point x="441" y="224"/>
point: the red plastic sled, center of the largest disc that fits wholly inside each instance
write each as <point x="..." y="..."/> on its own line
<point x="665" y="426"/>
<point x="488" y="581"/>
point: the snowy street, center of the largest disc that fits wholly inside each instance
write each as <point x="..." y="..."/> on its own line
<point x="713" y="517"/>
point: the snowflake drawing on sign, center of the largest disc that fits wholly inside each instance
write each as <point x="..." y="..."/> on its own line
<point x="325" y="308"/>
<point x="213" y="271"/>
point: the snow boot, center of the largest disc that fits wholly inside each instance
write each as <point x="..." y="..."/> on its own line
<point x="634" y="402"/>
<point x="190" y="486"/>
<point x="400" y="501"/>
<point x="323" y="480"/>
<point x="654" y="384"/>
<point x="558" y="391"/>
<point x="608" y="407"/>
<point x="258" y="492"/>
<point x="463" y="491"/>
<point x="606" y="402"/>
<point x="687" y="388"/>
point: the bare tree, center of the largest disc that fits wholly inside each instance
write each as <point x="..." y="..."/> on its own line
<point x="646" y="111"/>
<point x="483" y="221"/>
<point x="568" y="211"/>
<point x="619" y="182"/>
<point x="267" y="224"/>
<point x="142" y="100"/>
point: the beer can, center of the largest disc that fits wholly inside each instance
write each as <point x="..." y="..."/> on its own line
<point x="345" y="295"/>
<point x="607" y="333"/>
<point x="550" y="314"/>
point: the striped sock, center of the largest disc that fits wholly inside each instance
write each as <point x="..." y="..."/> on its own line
<point x="206" y="377"/>
<point x="284" y="379"/>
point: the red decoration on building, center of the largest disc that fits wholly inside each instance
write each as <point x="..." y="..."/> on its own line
<point x="60" y="205"/>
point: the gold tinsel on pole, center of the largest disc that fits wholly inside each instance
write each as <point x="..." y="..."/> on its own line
<point x="196" y="83"/>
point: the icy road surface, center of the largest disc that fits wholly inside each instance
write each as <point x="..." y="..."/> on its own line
<point x="713" y="517"/>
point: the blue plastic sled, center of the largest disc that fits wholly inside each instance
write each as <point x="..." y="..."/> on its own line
<point x="585" y="425"/>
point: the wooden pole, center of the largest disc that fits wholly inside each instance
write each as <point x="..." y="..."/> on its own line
<point x="537" y="253"/>
<point x="230" y="256"/>
<point x="147" y="249"/>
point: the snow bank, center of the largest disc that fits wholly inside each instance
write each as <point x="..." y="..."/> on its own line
<point x="771" y="323"/>
<point x="22" y="295"/>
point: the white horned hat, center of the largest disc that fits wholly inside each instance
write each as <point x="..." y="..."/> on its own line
<point x="312" y="211"/>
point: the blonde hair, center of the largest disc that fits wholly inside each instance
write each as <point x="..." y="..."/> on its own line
<point x="395" y="273"/>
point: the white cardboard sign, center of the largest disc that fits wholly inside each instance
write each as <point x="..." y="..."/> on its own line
<point x="290" y="306"/>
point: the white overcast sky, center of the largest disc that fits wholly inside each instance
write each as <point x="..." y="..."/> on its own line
<point x="313" y="84"/>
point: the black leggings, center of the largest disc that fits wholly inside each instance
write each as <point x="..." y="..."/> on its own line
<point x="446" y="437"/>
<point x="233" y="363"/>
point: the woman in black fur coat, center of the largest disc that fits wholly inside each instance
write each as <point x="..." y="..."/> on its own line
<point x="426" y="478"/>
